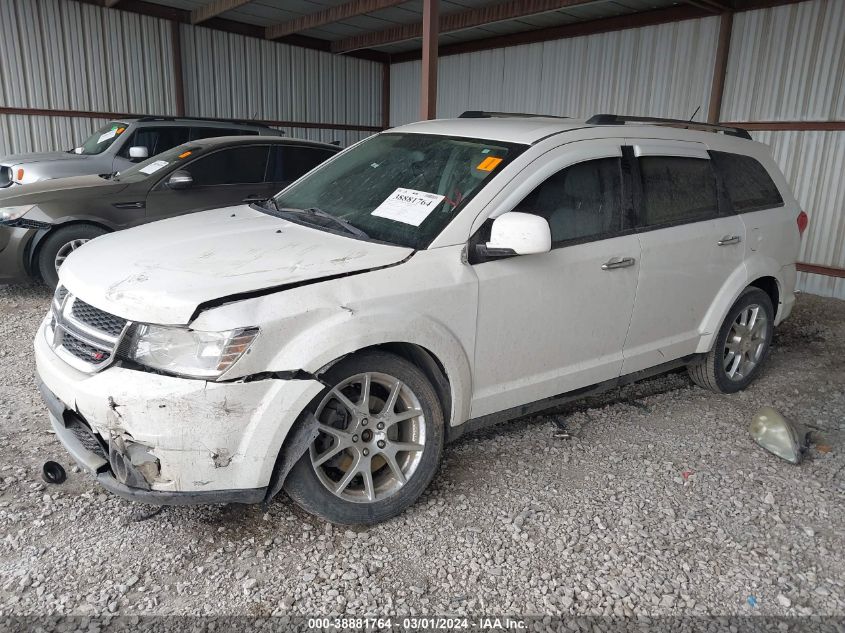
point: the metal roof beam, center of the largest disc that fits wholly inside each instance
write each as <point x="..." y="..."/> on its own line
<point x="480" y="16"/>
<point x="215" y="8"/>
<point x="716" y="6"/>
<point x="328" y="16"/>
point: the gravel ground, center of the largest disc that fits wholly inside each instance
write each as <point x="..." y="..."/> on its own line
<point x="658" y="504"/>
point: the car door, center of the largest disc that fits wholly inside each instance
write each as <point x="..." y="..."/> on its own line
<point x="224" y="177"/>
<point x="557" y="321"/>
<point x="690" y="247"/>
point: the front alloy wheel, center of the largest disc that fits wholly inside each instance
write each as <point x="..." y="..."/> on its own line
<point x="59" y="244"/>
<point x="65" y="250"/>
<point x="379" y="442"/>
<point x="372" y="437"/>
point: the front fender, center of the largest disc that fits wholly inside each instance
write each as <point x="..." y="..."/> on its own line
<point x="345" y="334"/>
<point x="429" y="301"/>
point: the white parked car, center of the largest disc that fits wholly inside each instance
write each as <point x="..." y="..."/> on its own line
<point x="434" y="278"/>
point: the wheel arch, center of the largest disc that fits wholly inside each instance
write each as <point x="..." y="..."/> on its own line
<point x="35" y="244"/>
<point x="303" y="429"/>
<point x="735" y="285"/>
<point x="771" y="287"/>
<point x="422" y="358"/>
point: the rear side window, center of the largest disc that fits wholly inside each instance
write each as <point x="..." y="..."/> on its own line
<point x="580" y="202"/>
<point x="289" y="162"/>
<point x="676" y="189"/>
<point x="233" y="166"/>
<point x="747" y="182"/>
<point x="212" y="132"/>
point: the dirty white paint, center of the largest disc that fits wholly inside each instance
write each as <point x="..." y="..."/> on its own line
<point x="507" y="332"/>
<point x="209" y="255"/>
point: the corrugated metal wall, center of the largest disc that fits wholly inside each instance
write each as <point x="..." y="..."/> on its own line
<point x="788" y="64"/>
<point x="65" y="55"/>
<point x="661" y="70"/>
<point x="229" y="75"/>
<point x="125" y="64"/>
<point x="814" y="162"/>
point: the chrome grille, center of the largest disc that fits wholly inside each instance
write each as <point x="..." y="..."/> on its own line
<point x="84" y="336"/>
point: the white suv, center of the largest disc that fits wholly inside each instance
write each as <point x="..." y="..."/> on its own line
<point x="434" y="278"/>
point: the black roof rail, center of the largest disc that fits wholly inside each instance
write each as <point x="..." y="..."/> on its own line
<point x="617" y="119"/>
<point x="481" y="114"/>
<point x="147" y="119"/>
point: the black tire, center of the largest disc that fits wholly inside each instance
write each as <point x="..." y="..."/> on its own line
<point x="304" y="485"/>
<point x="710" y="372"/>
<point x="55" y="241"/>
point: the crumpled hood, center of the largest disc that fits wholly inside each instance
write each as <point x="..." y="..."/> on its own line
<point x="38" y="157"/>
<point x="161" y="272"/>
<point x="59" y="188"/>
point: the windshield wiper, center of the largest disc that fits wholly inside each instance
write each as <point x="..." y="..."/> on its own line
<point x="350" y="228"/>
<point x="313" y="211"/>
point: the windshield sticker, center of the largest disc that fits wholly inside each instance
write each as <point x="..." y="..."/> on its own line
<point x="108" y="135"/>
<point x="408" y="206"/>
<point x="489" y="164"/>
<point x="154" y="167"/>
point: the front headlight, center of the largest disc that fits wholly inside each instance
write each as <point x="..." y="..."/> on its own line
<point x="189" y="352"/>
<point x="13" y="213"/>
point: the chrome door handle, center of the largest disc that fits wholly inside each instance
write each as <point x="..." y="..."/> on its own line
<point x="729" y="239"/>
<point x="615" y="263"/>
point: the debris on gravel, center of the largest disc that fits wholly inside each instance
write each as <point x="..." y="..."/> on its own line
<point x="654" y="501"/>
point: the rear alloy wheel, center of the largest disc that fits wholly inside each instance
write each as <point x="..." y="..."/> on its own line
<point x="379" y="443"/>
<point x="59" y="245"/>
<point x="740" y="347"/>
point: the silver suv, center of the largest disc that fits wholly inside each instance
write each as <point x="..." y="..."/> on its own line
<point x="119" y="144"/>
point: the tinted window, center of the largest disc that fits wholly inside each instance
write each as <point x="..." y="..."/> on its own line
<point x="237" y="165"/>
<point x="677" y="190"/>
<point x="581" y="201"/>
<point x="747" y="182"/>
<point x="211" y="132"/>
<point x="289" y="162"/>
<point x="156" y="139"/>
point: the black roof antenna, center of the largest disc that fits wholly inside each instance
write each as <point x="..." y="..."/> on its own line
<point x="694" y="113"/>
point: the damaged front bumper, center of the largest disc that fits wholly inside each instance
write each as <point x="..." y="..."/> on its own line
<point x="168" y="440"/>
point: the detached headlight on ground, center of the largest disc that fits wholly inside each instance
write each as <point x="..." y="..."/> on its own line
<point x="189" y="352"/>
<point x="13" y="213"/>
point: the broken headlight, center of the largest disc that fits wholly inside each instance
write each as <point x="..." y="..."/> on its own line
<point x="187" y="352"/>
<point x="7" y="214"/>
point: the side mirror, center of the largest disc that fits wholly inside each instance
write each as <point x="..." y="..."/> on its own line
<point x="139" y="153"/>
<point x="517" y="233"/>
<point x="180" y="179"/>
